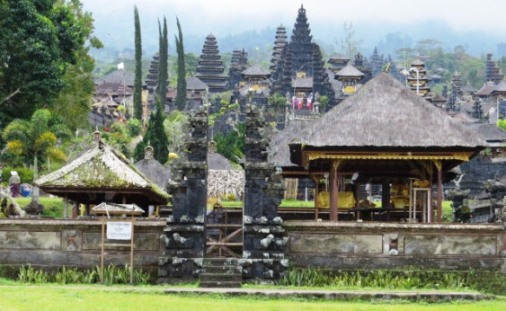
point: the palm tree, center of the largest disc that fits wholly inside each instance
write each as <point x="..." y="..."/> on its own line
<point x="36" y="138"/>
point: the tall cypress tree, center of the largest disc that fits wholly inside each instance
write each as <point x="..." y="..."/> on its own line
<point x="181" y="69"/>
<point x="161" y="88"/>
<point x="138" y="67"/>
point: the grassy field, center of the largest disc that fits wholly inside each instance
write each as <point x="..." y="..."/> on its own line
<point x="50" y="297"/>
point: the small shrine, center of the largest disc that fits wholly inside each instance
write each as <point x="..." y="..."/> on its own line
<point x="350" y="78"/>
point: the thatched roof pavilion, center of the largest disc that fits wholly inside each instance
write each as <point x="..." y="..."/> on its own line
<point x="102" y="174"/>
<point x="382" y="132"/>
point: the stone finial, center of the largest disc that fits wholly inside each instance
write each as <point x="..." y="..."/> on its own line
<point x="148" y="153"/>
<point x="97" y="136"/>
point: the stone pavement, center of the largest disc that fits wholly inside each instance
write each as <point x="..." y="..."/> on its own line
<point x="430" y="296"/>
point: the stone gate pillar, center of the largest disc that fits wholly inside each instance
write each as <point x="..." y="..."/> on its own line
<point x="184" y="234"/>
<point x="264" y="240"/>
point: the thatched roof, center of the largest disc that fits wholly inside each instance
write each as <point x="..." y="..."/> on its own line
<point x="490" y="132"/>
<point x="194" y="83"/>
<point x="155" y="171"/>
<point x="486" y="89"/>
<point x="349" y="71"/>
<point x="279" y="151"/>
<point x="385" y="113"/>
<point x="302" y="83"/>
<point x="102" y="174"/>
<point x="117" y="77"/>
<point x="216" y="161"/>
<point x="255" y="71"/>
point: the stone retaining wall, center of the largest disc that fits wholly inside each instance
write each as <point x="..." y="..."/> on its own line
<point x="349" y="245"/>
<point x="51" y="244"/>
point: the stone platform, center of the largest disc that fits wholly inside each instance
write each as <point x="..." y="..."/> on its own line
<point x="342" y="295"/>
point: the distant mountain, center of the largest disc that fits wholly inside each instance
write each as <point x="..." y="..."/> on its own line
<point x="388" y="38"/>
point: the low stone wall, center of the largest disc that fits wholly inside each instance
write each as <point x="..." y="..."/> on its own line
<point x="51" y="244"/>
<point x="350" y="245"/>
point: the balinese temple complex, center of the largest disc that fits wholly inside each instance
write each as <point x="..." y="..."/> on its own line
<point x="300" y="71"/>
<point x="210" y="69"/>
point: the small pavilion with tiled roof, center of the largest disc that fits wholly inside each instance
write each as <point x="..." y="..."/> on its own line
<point x="384" y="133"/>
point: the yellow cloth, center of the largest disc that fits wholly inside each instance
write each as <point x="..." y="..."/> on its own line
<point x="346" y="199"/>
<point x="399" y="202"/>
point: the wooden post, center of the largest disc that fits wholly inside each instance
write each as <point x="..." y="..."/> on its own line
<point x="334" y="200"/>
<point x="316" y="180"/>
<point x="102" y="252"/>
<point x="132" y="252"/>
<point x="439" y="167"/>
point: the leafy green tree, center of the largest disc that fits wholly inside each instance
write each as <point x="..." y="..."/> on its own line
<point x="138" y="67"/>
<point x="231" y="145"/>
<point x="181" y="71"/>
<point x="277" y="101"/>
<point x="191" y="61"/>
<point x="74" y="99"/>
<point x="155" y="137"/>
<point x="38" y="41"/>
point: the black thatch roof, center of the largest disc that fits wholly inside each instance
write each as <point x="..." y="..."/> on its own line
<point x="194" y="83"/>
<point x="155" y="171"/>
<point x="490" y="132"/>
<point x="349" y="71"/>
<point x="117" y="77"/>
<point x="216" y="161"/>
<point x="279" y="151"/>
<point x="385" y="113"/>
<point x="255" y="71"/>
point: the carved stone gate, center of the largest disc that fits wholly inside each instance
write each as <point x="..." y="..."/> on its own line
<point x="188" y="239"/>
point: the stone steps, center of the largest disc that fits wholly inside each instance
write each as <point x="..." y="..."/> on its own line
<point x="220" y="272"/>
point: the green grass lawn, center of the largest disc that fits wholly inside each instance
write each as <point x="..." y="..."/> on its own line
<point x="53" y="206"/>
<point x="54" y="297"/>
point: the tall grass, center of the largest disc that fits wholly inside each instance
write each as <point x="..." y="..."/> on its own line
<point x="486" y="281"/>
<point x="71" y="275"/>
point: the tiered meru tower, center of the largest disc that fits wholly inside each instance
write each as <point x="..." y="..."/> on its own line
<point x="417" y="79"/>
<point x="492" y="72"/>
<point x="299" y="56"/>
<point x="279" y="45"/>
<point x="238" y="64"/>
<point x="210" y="69"/>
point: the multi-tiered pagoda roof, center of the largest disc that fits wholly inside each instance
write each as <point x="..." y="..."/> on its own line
<point x="210" y="67"/>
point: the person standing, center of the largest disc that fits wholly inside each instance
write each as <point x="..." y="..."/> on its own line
<point x="14" y="182"/>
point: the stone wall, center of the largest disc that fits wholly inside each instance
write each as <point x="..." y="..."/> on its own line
<point x="349" y="245"/>
<point x="52" y="244"/>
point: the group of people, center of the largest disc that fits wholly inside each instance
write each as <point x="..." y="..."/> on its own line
<point x="299" y="103"/>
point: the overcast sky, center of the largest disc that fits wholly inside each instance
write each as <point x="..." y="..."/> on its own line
<point x="479" y="25"/>
<point x="232" y="16"/>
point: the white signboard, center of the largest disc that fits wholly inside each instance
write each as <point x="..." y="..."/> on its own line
<point x="119" y="230"/>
